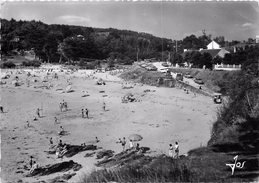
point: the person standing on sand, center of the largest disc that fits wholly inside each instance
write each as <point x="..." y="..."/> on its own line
<point x="123" y="143"/>
<point x="28" y="124"/>
<point x="38" y="112"/>
<point x="176" y="150"/>
<point x="51" y="141"/>
<point x="83" y="113"/>
<point x="130" y="144"/>
<point x="31" y="161"/>
<point x="86" y="113"/>
<point x="171" y="152"/>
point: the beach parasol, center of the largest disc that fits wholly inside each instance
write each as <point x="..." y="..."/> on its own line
<point x="135" y="137"/>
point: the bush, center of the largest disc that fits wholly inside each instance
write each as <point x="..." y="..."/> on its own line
<point x="8" y="64"/>
<point x="34" y="63"/>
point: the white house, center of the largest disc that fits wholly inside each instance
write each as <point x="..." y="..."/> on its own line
<point x="213" y="45"/>
<point x="221" y="52"/>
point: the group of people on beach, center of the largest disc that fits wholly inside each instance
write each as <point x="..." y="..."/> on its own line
<point x="171" y="150"/>
<point x="123" y="142"/>
<point x="62" y="105"/>
<point x="60" y="148"/>
<point x="85" y="113"/>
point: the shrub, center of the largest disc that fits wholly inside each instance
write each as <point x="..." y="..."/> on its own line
<point x="8" y="64"/>
<point x="34" y="63"/>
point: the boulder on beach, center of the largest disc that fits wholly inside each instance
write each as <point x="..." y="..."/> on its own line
<point x="104" y="153"/>
<point x="124" y="158"/>
<point x="74" y="149"/>
<point x="58" y="167"/>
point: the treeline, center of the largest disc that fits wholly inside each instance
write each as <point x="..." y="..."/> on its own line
<point x="65" y="43"/>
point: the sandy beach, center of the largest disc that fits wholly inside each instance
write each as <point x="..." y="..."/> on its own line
<point x="161" y="117"/>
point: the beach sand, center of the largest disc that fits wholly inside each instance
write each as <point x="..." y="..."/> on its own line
<point x="161" y="117"/>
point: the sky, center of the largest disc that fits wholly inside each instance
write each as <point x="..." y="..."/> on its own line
<point x="172" y="20"/>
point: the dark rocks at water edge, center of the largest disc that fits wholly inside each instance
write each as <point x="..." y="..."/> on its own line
<point x="59" y="167"/>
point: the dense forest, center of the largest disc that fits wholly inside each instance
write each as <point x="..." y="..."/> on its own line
<point x="57" y="43"/>
<point x="67" y="43"/>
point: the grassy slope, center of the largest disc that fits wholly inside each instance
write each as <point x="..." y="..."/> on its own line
<point x="206" y="164"/>
<point x="140" y="75"/>
<point x="216" y="81"/>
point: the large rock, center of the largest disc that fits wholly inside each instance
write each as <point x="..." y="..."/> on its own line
<point x="59" y="167"/>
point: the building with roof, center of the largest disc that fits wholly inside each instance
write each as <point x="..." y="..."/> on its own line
<point x="213" y="45"/>
<point x="215" y="52"/>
